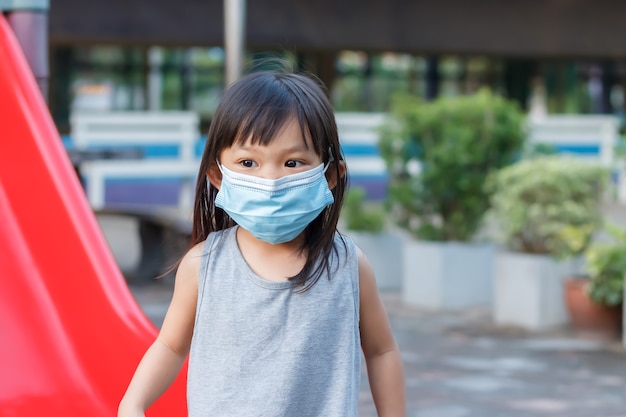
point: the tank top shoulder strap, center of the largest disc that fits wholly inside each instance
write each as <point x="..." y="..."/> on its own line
<point x="209" y="247"/>
<point x="348" y="256"/>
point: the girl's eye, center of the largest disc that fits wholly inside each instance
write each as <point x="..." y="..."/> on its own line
<point x="293" y="164"/>
<point x="248" y="163"/>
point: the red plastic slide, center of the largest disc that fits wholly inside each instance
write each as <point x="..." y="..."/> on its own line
<point x="71" y="333"/>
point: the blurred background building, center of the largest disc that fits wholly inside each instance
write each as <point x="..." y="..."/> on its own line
<point x="554" y="56"/>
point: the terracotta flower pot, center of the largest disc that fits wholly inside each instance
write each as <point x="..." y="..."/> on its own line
<point x="586" y="315"/>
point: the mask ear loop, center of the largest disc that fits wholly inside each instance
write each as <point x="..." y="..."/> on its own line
<point x="330" y="160"/>
<point x="217" y="161"/>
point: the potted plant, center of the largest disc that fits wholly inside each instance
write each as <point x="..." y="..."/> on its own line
<point x="546" y="210"/>
<point x="364" y="222"/>
<point x="439" y="155"/>
<point x="595" y="300"/>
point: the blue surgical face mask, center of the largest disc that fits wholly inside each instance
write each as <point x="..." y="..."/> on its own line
<point x="275" y="211"/>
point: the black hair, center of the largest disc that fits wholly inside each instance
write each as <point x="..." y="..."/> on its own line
<point x="255" y="108"/>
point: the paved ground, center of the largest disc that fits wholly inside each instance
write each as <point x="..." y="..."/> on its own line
<point x="461" y="364"/>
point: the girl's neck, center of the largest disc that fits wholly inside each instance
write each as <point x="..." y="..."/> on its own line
<point x="271" y="262"/>
<point x="247" y="238"/>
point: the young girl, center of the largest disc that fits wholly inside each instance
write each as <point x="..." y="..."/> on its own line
<point x="272" y="305"/>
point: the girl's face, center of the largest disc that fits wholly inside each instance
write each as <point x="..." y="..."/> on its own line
<point x="288" y="153"/>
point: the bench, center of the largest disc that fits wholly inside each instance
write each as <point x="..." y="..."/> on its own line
<point x="154" y="179"/>
<point x="591" y="137"/>
<point x="166" y="140"/>
<point x="359" y="136"/>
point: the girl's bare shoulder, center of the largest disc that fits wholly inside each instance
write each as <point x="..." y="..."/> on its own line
<point x="189" y="266"/>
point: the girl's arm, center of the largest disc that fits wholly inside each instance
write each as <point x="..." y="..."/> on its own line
<point x="162" y="361"/>
<point x="382" y="356"/>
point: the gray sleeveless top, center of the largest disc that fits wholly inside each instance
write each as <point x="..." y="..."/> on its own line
<point x="260" y="348"/>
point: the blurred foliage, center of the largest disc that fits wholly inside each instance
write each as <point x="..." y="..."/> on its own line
<point x="439" y="155"/>
<point x="548" y="205"/>
<point x="620" y="148"/>
<point x="606" y="266"/>
<point x="361" y="215"/>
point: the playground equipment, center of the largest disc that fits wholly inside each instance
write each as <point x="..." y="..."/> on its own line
<point x="71" y="333"/>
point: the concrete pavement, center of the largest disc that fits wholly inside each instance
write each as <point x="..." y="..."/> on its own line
<point x="460" y="364"/>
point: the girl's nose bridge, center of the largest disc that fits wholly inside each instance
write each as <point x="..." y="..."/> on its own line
<point x="271" y="171"/>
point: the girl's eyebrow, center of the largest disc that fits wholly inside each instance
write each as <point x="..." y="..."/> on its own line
<point x="296" y="148"/>
<point x="291" y="149"/>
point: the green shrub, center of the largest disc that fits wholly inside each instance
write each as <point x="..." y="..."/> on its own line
<point x="606" y="266"/>
<point x="548" y="205"/>
<point x="439" y="155"/>
<point x="359" y="215"/>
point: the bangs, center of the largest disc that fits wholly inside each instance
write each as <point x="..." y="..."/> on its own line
<point x="266" y="105"/>
<point x="256" y="109"/>
<point x="265" y="123"/>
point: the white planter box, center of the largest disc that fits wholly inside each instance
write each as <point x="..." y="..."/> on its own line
<point x="384" y="251"/>
<point x="528" y="290"/>
<point x="447" y="275"/>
